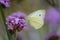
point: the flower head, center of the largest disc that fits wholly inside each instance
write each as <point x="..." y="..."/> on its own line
<point x="16" y="21"/>
<point x="52" y="36"/>
<point x="52" y="18"/>
<point x="5" y="3"/>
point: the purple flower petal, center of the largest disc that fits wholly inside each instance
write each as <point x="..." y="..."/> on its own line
<point x="52" y="19"/>
<point x="14" y="21"/>
<point x="6" y="3"/>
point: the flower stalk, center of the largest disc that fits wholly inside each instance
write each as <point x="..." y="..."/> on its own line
<point x="4" y="21"/>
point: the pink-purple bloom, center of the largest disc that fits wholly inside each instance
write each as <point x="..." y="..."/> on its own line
<point x="16" y="21"/>
<point x="53" y="36"/>
<point x="52" y="19"/>
<point x="5" y="3"/>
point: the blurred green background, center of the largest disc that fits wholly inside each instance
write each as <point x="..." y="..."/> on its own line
<point x="26" y="6"/>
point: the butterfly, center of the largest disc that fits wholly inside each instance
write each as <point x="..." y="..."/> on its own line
<point x="36" y="19"/>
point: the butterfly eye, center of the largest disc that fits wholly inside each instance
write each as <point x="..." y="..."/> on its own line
<point x="39" y="14"/>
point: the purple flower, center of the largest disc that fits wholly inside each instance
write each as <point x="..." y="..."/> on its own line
<point x="16" y="21"/>
<point x="52" y="19"/>
<point x="5" y="3"/>
<point x="53" y="36"/>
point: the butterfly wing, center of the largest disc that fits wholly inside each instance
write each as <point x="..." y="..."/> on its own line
<point x="36" y="19"/>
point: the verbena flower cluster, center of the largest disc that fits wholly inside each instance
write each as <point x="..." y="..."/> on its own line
<point x="5" y="3"/>
<point x="16" y="21"/>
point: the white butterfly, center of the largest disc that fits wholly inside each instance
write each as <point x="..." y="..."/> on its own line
<point x="36" y="19"/>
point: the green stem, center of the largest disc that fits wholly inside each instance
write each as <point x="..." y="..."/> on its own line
<point x="4" y="21"/>
<point x="13" y="36"/>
